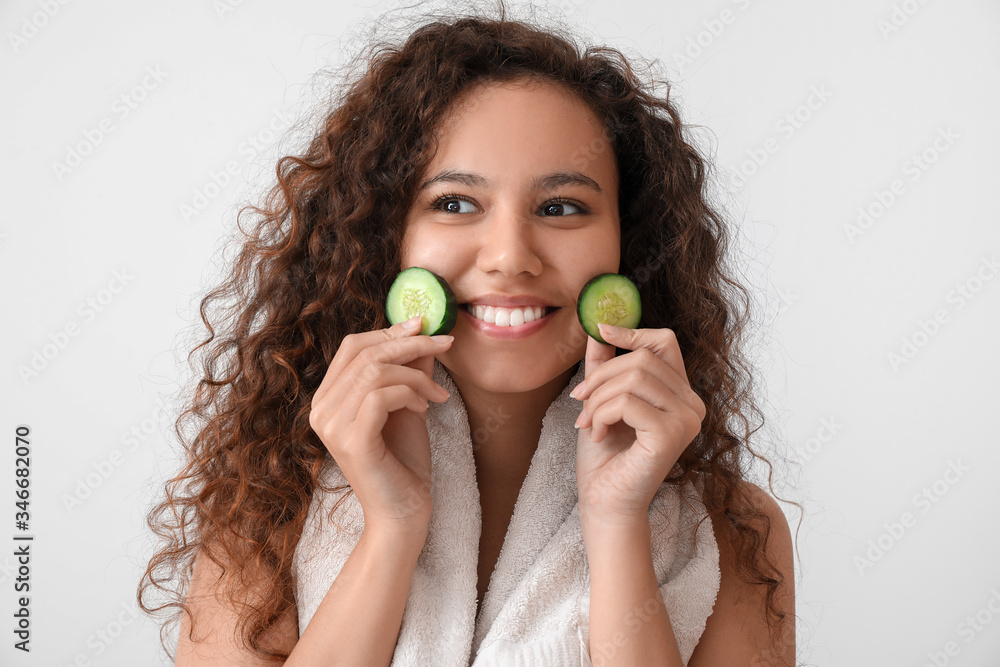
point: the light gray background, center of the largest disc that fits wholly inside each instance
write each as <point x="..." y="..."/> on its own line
<point x="864" y="435"/>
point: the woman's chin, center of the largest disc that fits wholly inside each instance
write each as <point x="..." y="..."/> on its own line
<point x="514" y="374"/>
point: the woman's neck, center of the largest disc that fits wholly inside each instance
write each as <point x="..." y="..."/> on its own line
<point x="505" y="428"/>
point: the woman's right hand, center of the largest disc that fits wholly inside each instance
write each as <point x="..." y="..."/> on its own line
<point x="370" y="412"/>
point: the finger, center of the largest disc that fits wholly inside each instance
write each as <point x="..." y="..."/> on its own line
<point x="662" y="342"/>
<point x="403" y="350"/>
<point x="367" y="419"/>
<point x="424" y="364"/>
<point x="597" y="353"/>
<point x="416" y="353"/>
<point x="376" y="406"/>
<point x="352" y="344"/>
<point x="643" y="374"/>
<point x="645" y="384"/>
<point x="348" y="397"/>
<point x="396" y="344"/>
<point x="668" y="426"/>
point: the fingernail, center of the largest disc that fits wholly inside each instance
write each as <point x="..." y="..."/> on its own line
<point x="442" y="338"/>
<point x="608" y="329"/>
<point x="578" y="390"/>
<point x="412" y="323"/>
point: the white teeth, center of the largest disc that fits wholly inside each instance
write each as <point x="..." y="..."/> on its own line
<point x="503" y="317"/>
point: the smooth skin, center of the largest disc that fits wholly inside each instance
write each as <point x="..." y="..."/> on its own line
<point x="501" y="234"/>
<point x="639" y="414"/>
<point x="504" y="235"/>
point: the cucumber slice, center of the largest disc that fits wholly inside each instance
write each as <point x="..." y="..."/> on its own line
<point x="417" y="291"/>
<point x="610" y="298"/>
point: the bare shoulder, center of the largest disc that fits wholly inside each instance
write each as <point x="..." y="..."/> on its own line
<point x="214" y="640"/>
<point x="764" y="502"/>
<point x="737" y="632"/>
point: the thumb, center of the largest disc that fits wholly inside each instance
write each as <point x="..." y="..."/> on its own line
<point x="597" y="354"/>
<point x="425" y="364"/>
<point x="408" y="328"/>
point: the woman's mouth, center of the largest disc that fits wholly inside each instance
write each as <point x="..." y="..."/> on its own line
<point x="503" y="317"/>
<point x="508" y="323"/>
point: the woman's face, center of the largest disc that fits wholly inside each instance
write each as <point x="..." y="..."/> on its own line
<point x="531" y="215"/>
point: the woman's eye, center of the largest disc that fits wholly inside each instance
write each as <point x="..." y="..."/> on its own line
<point x="451" y="204"/>
<point x="554" y="208"/>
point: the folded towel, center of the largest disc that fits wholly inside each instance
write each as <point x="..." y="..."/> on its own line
<point x="536" y="609"/>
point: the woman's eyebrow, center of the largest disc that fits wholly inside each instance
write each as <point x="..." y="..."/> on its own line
<point x="547" y="182"/>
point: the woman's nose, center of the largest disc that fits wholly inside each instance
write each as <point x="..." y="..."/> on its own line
<point x="509" y="247"/>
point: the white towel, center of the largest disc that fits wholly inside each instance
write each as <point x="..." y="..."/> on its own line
<point x="536" y="610"/>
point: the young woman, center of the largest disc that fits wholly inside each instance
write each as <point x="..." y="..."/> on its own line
<point x="500" y="157"/>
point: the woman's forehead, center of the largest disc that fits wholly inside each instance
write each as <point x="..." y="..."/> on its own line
<point x="539" y="127"/>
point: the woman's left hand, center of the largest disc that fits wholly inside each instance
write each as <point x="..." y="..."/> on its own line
<point x="639" y="414"/>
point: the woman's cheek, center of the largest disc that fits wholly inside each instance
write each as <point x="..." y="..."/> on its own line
<point x="437" y="246"/>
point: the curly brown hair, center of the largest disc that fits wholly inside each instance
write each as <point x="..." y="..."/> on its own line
<point x="325" y="249"/>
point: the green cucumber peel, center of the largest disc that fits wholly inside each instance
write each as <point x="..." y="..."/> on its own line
<point x="419" y="291"/>
<point x="610" y="298"/>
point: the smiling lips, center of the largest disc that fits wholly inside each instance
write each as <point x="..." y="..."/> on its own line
<point x="508" y="323"/>
<point x="504" y="317"/>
